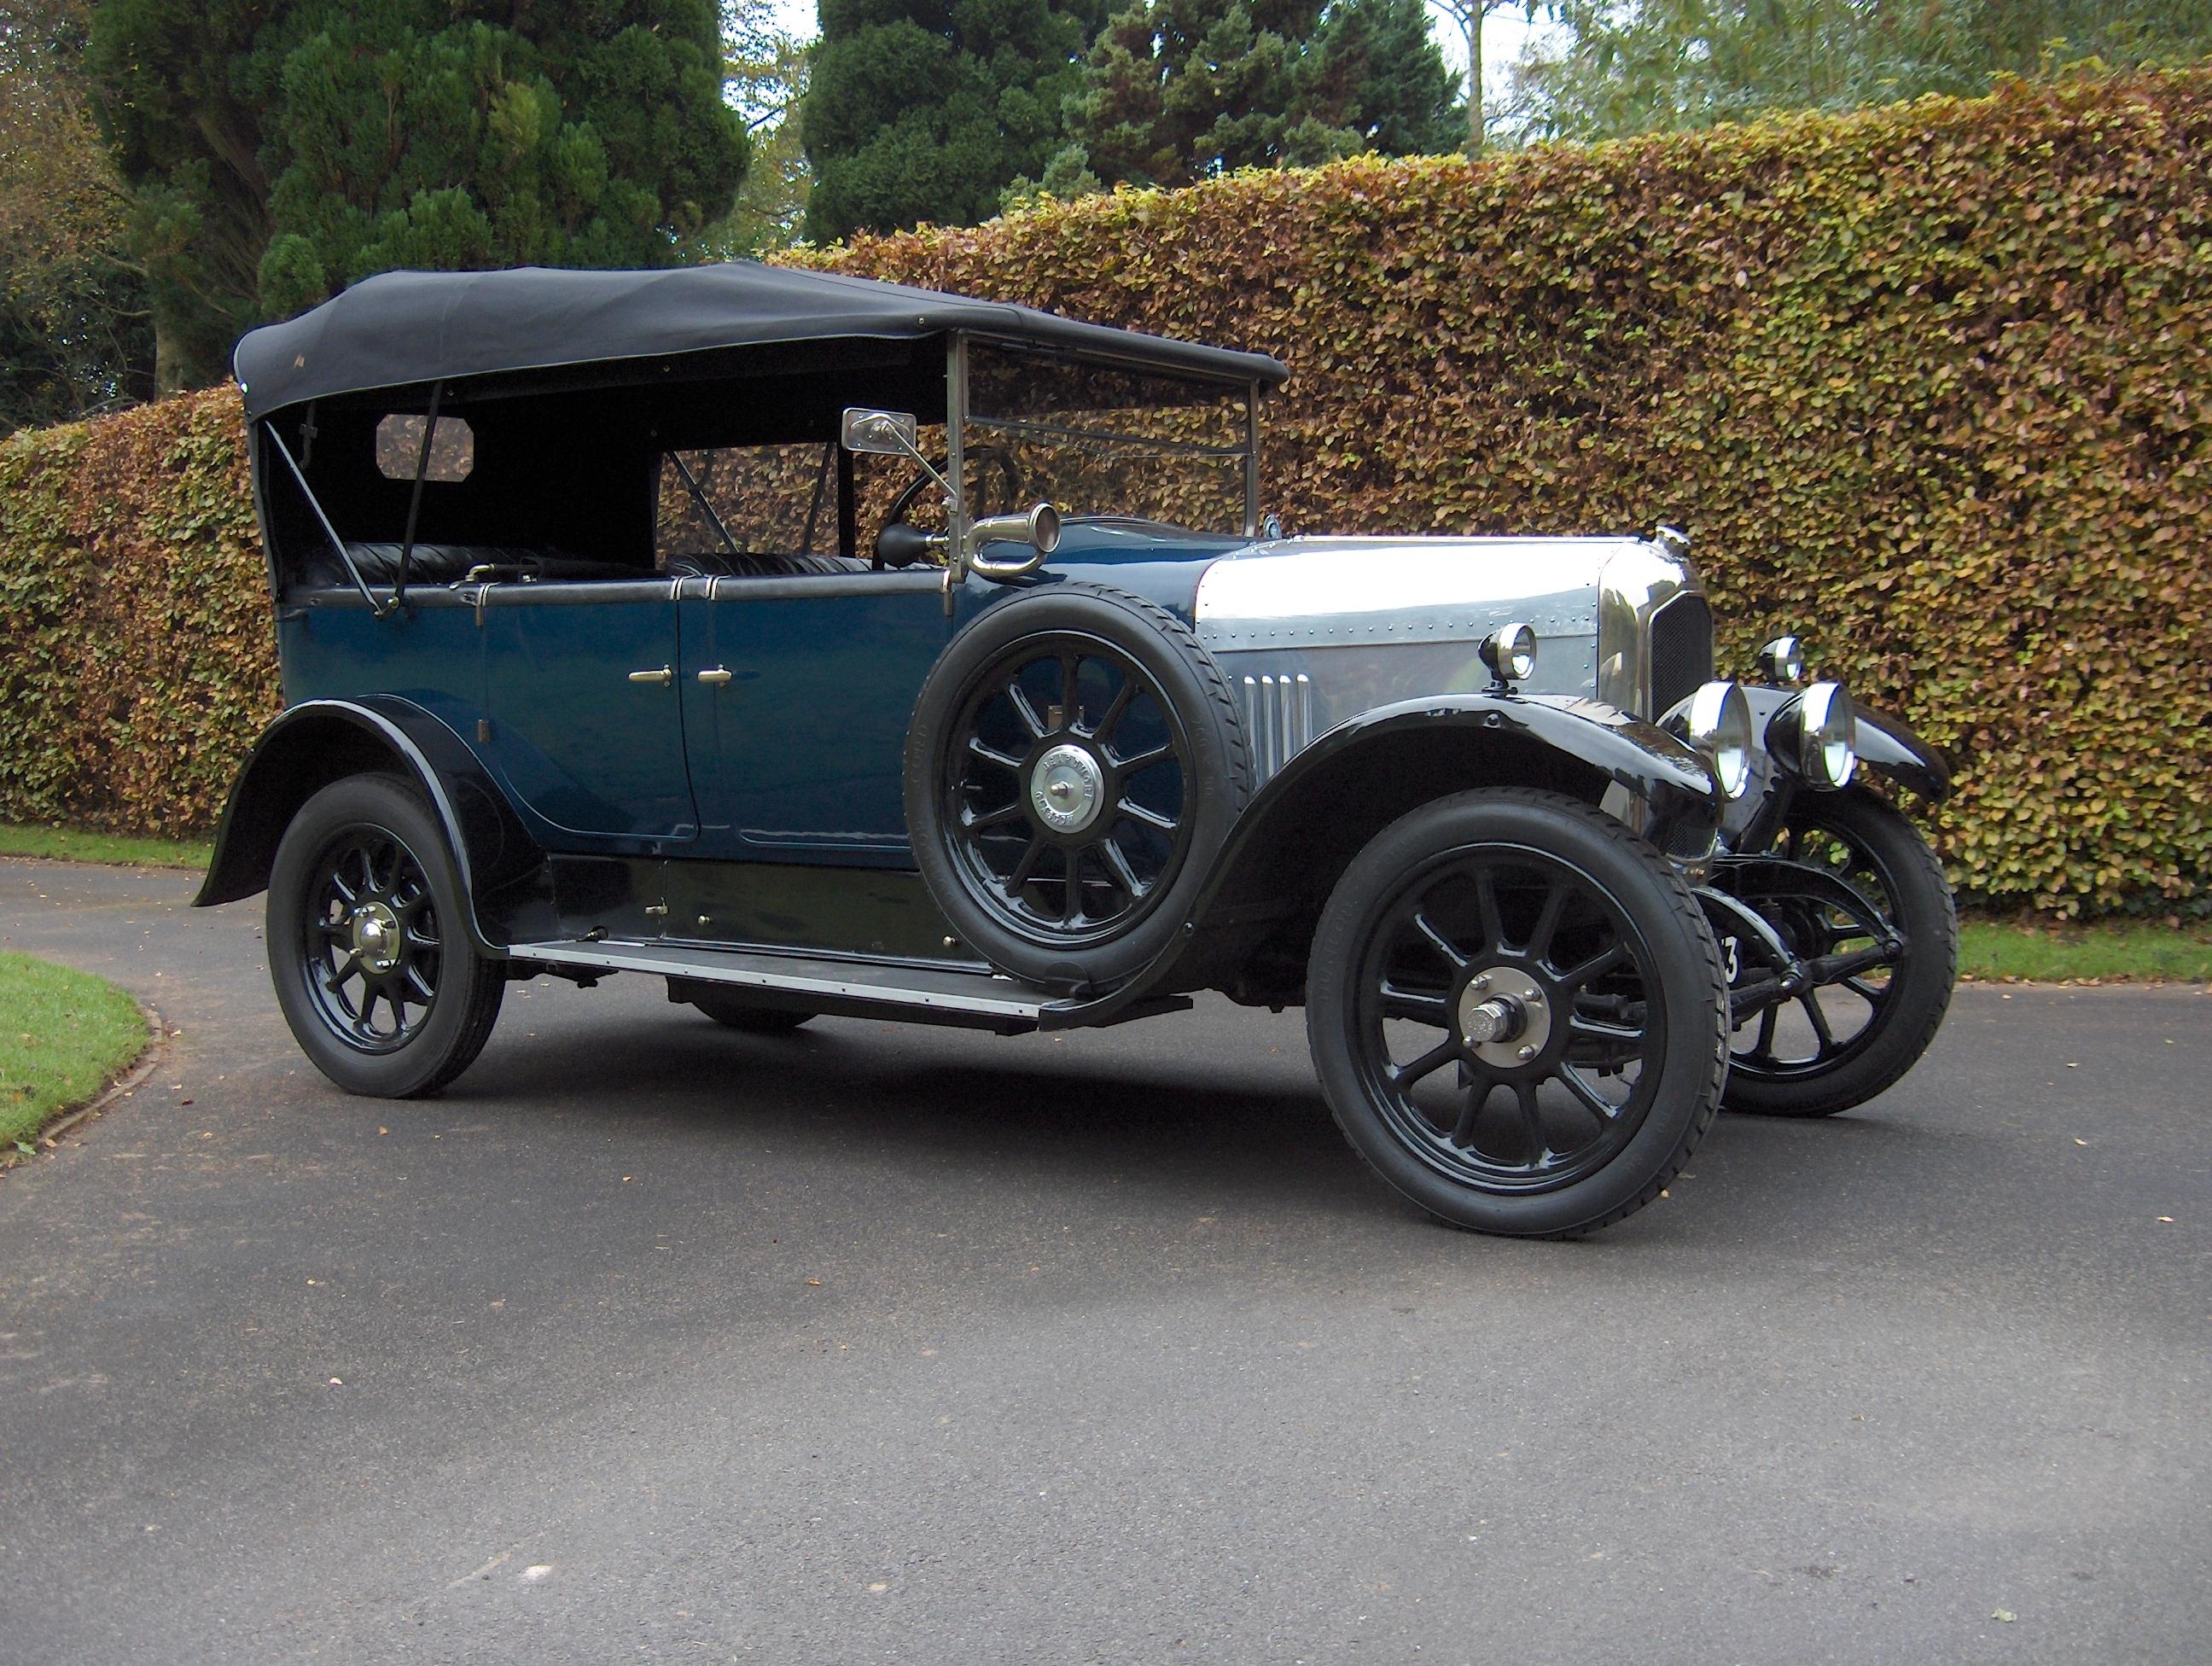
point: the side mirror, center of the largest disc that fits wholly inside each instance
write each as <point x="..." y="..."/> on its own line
<point x="1039" y="528"/>
<point x="880" y="433"/>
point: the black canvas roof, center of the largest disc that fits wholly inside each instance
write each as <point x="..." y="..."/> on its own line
<point x="401" y="329"/>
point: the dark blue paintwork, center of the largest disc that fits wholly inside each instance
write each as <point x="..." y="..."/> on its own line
<point x="317" y="741"/>
<point x="796" y="757"/>
<point x="1159" y="562"/>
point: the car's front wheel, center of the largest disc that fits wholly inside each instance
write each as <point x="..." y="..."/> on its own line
<point x="1837" y="1047"/>
<point x="1515" y="1007"/>
<point x="372" y="966"/>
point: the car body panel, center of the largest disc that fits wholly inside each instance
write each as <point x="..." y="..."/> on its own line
<point x="797" y="756"/>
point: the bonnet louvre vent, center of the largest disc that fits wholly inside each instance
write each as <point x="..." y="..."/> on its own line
<point x="1277" y="720"/>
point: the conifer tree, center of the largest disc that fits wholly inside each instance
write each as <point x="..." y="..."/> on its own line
<point x="279" y="152"/>
<point x="926" y="111"/>
<point x="1180" y="90"/>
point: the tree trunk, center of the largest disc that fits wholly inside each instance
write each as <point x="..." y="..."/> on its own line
<point x="169" y="369"/>
<point x="1474" y="136"/>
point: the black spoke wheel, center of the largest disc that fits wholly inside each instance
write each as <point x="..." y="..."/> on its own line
<point x="1073" y="763"/>
<point x="1515" y="1006"/>
<point x="1065" y="791"/>
<point x="382" y="988"/>
<point x="370" y="940"/>
<point x="1829" y="1048"/>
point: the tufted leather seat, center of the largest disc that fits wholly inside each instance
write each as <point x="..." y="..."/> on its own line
<point x="444" y="563"/>
<point x="759" y="564"/>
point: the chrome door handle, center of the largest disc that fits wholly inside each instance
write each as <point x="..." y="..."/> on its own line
<point x="665" y="675"/>
<point x="716" y="677"/>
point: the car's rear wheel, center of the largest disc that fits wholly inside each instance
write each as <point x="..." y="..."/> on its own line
<point x="372" y="962"/>
<point x="1831" y="1049"/>
<point x="1515" y="1006"/>
<point x="1073" y="764"/>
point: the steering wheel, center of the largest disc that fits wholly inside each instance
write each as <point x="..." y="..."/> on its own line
<point x="1010" y="477"/>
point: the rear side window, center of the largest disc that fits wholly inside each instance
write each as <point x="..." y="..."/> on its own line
<point x="399" y="447"/>
<point x="780" y="499"/>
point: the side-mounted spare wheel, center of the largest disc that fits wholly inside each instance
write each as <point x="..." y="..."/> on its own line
<point x="1516" y="1010"/>
<point x="372" y="966"/>
<point x="1073" y="765"/>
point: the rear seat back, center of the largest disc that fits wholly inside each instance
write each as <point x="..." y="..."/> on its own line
<point x="446" y="563"/>
<point x="759" y="564"/>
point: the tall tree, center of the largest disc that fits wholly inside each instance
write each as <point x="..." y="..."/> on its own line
<point x="1617" y="68"/>
<point x="280" y="152"/>
<point x="1468" y="16"/>
<point x="1373" y="71"/>
<point x="1180" y="90"/>
<point x="928" y="111"/>
<point x="764" y="78"/>
<point x="74" y="337"/>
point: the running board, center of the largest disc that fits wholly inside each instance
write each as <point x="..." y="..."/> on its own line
<point x="851" y="987"/>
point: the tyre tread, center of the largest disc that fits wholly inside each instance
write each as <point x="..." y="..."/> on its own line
<point x="1106" y="963"/>
<point x="1690" y="914"/>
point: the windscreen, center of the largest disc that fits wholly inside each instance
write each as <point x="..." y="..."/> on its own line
<point x="1101" y="439"/>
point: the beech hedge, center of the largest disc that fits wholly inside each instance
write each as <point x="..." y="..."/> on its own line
<point x="1927" y="384"/>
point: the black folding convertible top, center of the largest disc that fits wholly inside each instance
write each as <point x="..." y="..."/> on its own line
<point x="401" y="329"/>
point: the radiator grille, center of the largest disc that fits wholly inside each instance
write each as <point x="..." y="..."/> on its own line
<point x="1277" y="721"/>
<point x="1682" y="652"/>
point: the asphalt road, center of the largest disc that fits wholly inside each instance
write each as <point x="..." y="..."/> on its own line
<point x="651" y="1341"/>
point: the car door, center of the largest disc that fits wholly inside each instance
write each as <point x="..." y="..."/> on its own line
<point x="798" y="691"/>
<point x="585" y="722"/>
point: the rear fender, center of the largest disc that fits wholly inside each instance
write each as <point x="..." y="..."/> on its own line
<point x="319" y="741"/>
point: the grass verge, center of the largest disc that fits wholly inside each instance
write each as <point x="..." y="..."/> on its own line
<point x="68" y="844"/>
<point x="64" y="1036"/>
<point x="1994" y="950"/>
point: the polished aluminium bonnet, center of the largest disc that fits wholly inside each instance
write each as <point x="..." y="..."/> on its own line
<point x="1314" y="632"/>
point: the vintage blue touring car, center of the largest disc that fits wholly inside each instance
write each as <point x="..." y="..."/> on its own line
<point x="829" y="647"/>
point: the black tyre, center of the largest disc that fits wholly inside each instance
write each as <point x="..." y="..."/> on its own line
<point x="1840" y="1046"/>
<point x="1515" y="1008"/>
<point x="372" y="962"/>
<point x="731" y="1013"/>
<point x="1073" y="764"/>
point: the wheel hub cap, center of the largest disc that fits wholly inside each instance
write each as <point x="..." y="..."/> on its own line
<point x="376" y="941"/>
<point x="1067" y="788"/>
<point x="1505" y="1018"/>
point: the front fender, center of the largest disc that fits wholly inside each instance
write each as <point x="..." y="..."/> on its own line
<point x="319" y="741"/>
<point x="1885" y="745"/>
<point x="1316" y="813"/>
